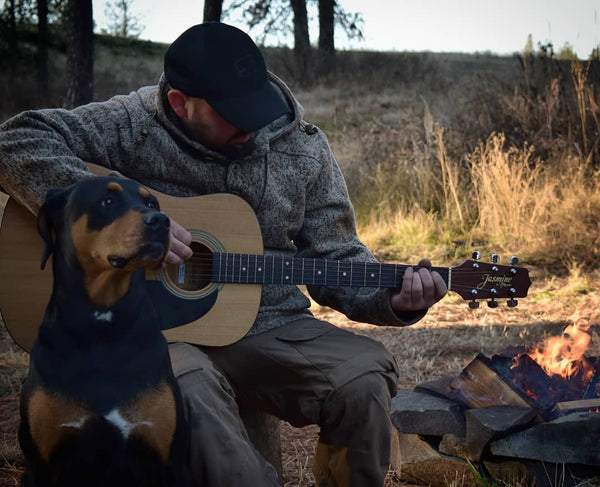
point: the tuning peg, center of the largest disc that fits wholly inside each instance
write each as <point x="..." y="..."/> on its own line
<point x="476" y="255"/>
<point x="492" y="303"/>
<point x="495" y="258"/>
<point x="512" y="302"/>
<point x="473" y="304"/>
<point x="514" y="260"/>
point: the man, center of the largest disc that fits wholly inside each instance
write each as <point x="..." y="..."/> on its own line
<point x="219" y="122"/>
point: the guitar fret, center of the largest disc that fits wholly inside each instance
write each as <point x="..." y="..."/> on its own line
<point x="259" y="270"/>
<point x="387" y="272"/>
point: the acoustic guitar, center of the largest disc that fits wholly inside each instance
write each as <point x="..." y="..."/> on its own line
<point x="213" y="298"/>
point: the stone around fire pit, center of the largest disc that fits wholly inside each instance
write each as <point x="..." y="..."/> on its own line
<point x="418" y="462"/>
<point x="417" y="412"/>
<point x="569" y="439"/>
<point x="484" y="425"/>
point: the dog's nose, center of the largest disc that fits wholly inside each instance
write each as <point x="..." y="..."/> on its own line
<point x="156" y="221"/>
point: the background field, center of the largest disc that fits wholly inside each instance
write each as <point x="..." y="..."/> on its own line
<point x="443" y="155"/>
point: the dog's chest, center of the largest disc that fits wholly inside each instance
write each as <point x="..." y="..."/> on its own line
<point x="150" y="417"/>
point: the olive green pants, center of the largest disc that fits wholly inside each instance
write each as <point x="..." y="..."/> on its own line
<point x="306" y="372"/>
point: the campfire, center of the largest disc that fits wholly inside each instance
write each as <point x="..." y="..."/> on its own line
<point x="526" y="416"/>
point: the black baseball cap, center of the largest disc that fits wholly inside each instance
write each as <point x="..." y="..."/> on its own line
<point x="221" y="64"/>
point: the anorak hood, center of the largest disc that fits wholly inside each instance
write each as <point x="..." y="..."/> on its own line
<point x="156" y="102"/>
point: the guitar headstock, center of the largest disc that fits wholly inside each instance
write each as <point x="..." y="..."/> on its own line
<point x="475" y="280"/>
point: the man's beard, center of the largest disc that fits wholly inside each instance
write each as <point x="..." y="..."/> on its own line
<point x="238" y="151"/>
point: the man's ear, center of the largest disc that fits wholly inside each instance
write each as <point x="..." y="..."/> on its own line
<point x="47" y="219"/>
<point x="177" y="100"/>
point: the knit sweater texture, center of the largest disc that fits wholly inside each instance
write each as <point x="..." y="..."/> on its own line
<point x="291" y="180"/>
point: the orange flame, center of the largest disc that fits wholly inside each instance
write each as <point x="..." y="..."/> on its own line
<point x="564" y="355"/>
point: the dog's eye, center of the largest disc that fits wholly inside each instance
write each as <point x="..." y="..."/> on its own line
<point x="152" y="204"/>
<point x="106" y="202"/>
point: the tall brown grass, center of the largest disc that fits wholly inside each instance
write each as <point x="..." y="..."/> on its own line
<point x="520" y="176"/>
<point x="500" y="196"/>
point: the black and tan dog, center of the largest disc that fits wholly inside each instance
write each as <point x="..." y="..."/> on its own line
<point x="100" y="406"/>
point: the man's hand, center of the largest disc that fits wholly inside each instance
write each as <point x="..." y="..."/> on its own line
<point x="180" y="241"/>
<point x="420" y="290"/>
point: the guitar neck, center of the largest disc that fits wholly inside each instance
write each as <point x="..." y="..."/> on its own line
<point x="262" y="269"/>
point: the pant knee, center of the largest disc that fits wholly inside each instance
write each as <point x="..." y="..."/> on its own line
<point x="361" y="405"/>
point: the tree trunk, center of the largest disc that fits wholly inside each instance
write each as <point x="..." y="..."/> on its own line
<point x="326" y="53"/>
<point x="12" y="37"/>
<point x="80" y="53"/>
<point x="42" y="47"/>
<point x="301" y="41"/>
<point x="213" y="10"/>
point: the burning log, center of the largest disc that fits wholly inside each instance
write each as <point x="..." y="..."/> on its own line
<point x="479" y="386"/>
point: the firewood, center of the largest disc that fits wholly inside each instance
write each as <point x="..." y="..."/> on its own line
<point x="478" y="386"/>
<point x="582" y="404"/>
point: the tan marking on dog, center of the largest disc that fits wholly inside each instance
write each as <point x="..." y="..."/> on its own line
<point x="154" y="414"/>
<point x="52" y="420"/>
<point x="144" y="192"/>
<point x="114" y="186"/>
<point x="104" y="283"/>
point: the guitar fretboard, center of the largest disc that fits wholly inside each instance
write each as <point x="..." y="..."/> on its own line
<point x="262" y="269"/>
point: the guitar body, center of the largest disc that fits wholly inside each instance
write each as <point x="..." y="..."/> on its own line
<point x="215" y="315"/>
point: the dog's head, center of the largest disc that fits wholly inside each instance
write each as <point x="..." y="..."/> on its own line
<point x="110" y="227"/>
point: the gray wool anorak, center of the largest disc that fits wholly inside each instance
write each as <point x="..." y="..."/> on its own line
<point x="291" y="180"/>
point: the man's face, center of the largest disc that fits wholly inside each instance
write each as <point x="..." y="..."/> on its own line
<point x="206" y="126"/>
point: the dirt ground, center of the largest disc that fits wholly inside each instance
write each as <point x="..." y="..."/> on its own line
<point x="441" y="344"/>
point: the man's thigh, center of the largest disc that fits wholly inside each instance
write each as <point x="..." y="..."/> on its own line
<point x="289" y="371"/>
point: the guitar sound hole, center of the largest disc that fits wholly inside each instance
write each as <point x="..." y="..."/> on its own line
<point x="194" y="274"/>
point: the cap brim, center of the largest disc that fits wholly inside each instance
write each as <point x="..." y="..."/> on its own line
<point x="252" y="111"/>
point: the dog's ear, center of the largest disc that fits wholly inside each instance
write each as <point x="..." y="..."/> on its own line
<point x="47" y="218"/>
